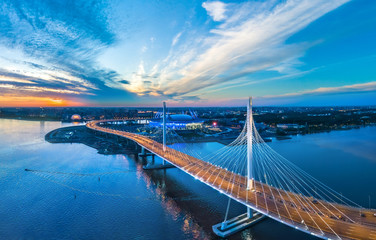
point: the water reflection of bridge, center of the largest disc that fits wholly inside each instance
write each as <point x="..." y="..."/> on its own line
<point x="249" y="172"/>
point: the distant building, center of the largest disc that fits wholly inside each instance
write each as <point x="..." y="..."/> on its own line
<point x="178" y="122"/>
<point x="145" y="114"/>
<point x="76" y="118"/>
<point x="289" y="126"/>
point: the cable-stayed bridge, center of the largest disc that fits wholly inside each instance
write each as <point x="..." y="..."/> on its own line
<point x="250" y="172"/>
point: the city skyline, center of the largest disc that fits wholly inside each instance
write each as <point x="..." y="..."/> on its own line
<point x="196" y="53"/>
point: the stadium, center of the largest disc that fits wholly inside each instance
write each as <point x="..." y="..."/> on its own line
<point x="177" y="121"/>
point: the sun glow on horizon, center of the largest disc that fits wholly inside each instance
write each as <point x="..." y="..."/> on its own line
<point x="25" y="101"/>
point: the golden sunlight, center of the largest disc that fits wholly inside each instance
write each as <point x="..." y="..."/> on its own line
<point x="29" y="101"/>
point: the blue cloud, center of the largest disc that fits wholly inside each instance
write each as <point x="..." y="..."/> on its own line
<point x="67" y="35"/>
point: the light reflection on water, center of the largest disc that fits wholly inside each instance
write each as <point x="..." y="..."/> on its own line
<point x="162" y="204"/>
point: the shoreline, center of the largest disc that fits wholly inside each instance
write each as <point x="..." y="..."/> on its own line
<point x="282" y="137"/>
<point x="81" y="134"/>
<point x="32" y="119"/>
<point x="109" y="145"/>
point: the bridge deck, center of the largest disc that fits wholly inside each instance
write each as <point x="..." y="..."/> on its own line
<point x="314" y="218"/>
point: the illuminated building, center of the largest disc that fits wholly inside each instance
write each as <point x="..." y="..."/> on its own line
<point x="178" y="121"/>
<point x="76" y="118"/>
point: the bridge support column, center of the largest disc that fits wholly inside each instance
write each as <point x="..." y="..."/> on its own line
<point x="142" y="151"/>
<point x="250" y="182"/>
<point x="144" y="154"/>
<point x="249" y="212"/>
<point x="164" y="129"/>
<point x="153" y="166"/>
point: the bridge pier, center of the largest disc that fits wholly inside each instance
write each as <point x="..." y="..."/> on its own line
<point x="153" y="166"/>
<point x="237" y="224"/>
<point x="249" y="212"/>
<point x="157" y="166"/>
<point x="144" y="154"/>
<point x="136" y="147"/>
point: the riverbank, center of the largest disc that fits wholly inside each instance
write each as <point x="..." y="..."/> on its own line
<point x="81" y="134"/>
<point x="107" y="144"/>
<point x="35" y="119"/>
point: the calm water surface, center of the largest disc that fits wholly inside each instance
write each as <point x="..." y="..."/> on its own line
<point x="78" y="194"/>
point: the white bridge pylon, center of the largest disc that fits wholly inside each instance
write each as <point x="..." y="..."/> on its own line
<point x="250" y="179"/>
<point x="239" y="223"/>
<point x="249" y="145"/>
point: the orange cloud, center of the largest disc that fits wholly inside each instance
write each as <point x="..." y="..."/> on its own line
<point x="28" y="101"/>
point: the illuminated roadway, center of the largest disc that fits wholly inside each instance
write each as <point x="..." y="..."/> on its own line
<point x="316" y="219"/>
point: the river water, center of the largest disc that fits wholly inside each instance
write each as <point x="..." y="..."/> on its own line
<point x="76" y="193"/>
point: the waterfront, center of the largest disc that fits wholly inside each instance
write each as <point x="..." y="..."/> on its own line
<point x="122" y="201"/>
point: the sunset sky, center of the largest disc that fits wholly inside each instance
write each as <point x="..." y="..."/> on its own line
<point x="194" y="53"/>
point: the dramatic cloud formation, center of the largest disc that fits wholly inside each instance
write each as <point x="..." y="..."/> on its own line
<point x="60" y="41"/>
<point x="253" y="38"/>
<point x="88" y="52"/>
<point x="354" y="88"/>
